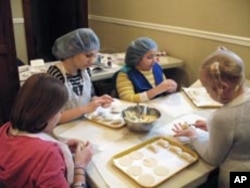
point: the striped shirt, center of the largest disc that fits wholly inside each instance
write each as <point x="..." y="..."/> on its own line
<point x="76" y="80"/>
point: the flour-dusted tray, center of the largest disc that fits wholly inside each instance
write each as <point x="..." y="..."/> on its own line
<point x="110" y="117"/>
<point x="154" y="161"/>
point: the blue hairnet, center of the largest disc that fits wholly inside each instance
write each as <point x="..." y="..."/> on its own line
<point x="137" y="49"/>
<point x="75" y="42"/>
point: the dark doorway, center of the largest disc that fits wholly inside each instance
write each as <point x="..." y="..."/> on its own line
<point x="46" y="20"/>
<point x="9" y="81"/>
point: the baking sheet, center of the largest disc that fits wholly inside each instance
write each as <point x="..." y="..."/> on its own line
<point x="154" y="161"/>
<point x="111" y="175"/>
<point x="110" y="117"/>
<point x="106" y="117"/>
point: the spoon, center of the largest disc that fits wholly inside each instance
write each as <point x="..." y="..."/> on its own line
<point x="138" y="111"/>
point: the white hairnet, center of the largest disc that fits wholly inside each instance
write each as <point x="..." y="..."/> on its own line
<point x="137" y="49"/>
<point x="75" y="42"/>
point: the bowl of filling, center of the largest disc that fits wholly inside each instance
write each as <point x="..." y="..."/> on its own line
<point x="140" y="118"/>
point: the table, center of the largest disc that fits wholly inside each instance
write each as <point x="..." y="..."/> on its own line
<point x="166" y="62"/>
<point x="103" y="82"/>
<point x="107" y="72"/>
<point x="107" y="142"/>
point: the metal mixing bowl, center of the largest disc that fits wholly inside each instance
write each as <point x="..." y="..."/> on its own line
<point x="140" y="118"/>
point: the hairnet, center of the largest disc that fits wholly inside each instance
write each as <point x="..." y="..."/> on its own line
<point x="137" y="49"/>
<point x="75" y="42"/>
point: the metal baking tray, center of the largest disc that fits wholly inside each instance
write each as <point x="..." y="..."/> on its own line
<point x="154" y="161"/>
<point x="107" y="117"/>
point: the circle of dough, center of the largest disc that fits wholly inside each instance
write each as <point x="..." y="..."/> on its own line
<point x="150" y="162"/>
<point x="136" y="155"/>
<point x="146" y="180"/>
<point x="161" y="171"/>
<point x="134" y="170"/>
<point x="125" y="161"/>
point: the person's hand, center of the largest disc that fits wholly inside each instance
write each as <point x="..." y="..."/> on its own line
<point x="83" y="154"/>
<point x="179" y="130"/>
<point x="168" y="85"/>
<point x="105" y="100"/>
<point x="93" y="105"/>
<point x="201" y="124"/>
<point x="72" y="144"/>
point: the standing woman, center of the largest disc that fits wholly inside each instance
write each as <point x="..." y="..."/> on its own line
<point x="76" y="51"/>
<point x="226" y="139"/>
<point x="142" y="78"/>
<point x="30" y="156"/>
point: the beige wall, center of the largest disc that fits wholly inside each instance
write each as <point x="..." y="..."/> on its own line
<point x="224" y="18"/>
<point x="194" y="23"/>
<point x="19" y="31"/>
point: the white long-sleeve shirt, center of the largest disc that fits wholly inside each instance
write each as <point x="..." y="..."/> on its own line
<point x="227" y="142"/>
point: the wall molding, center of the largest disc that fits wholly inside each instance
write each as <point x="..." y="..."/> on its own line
<point x="243" y="41"/>
<point x="18" y="20"/>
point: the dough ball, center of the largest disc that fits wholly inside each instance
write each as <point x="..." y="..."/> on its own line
<point x="153" y="148"/>
<point x="163" y="143"/>
<point x="187" y="156"/>
<point x="175" y="149"/>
